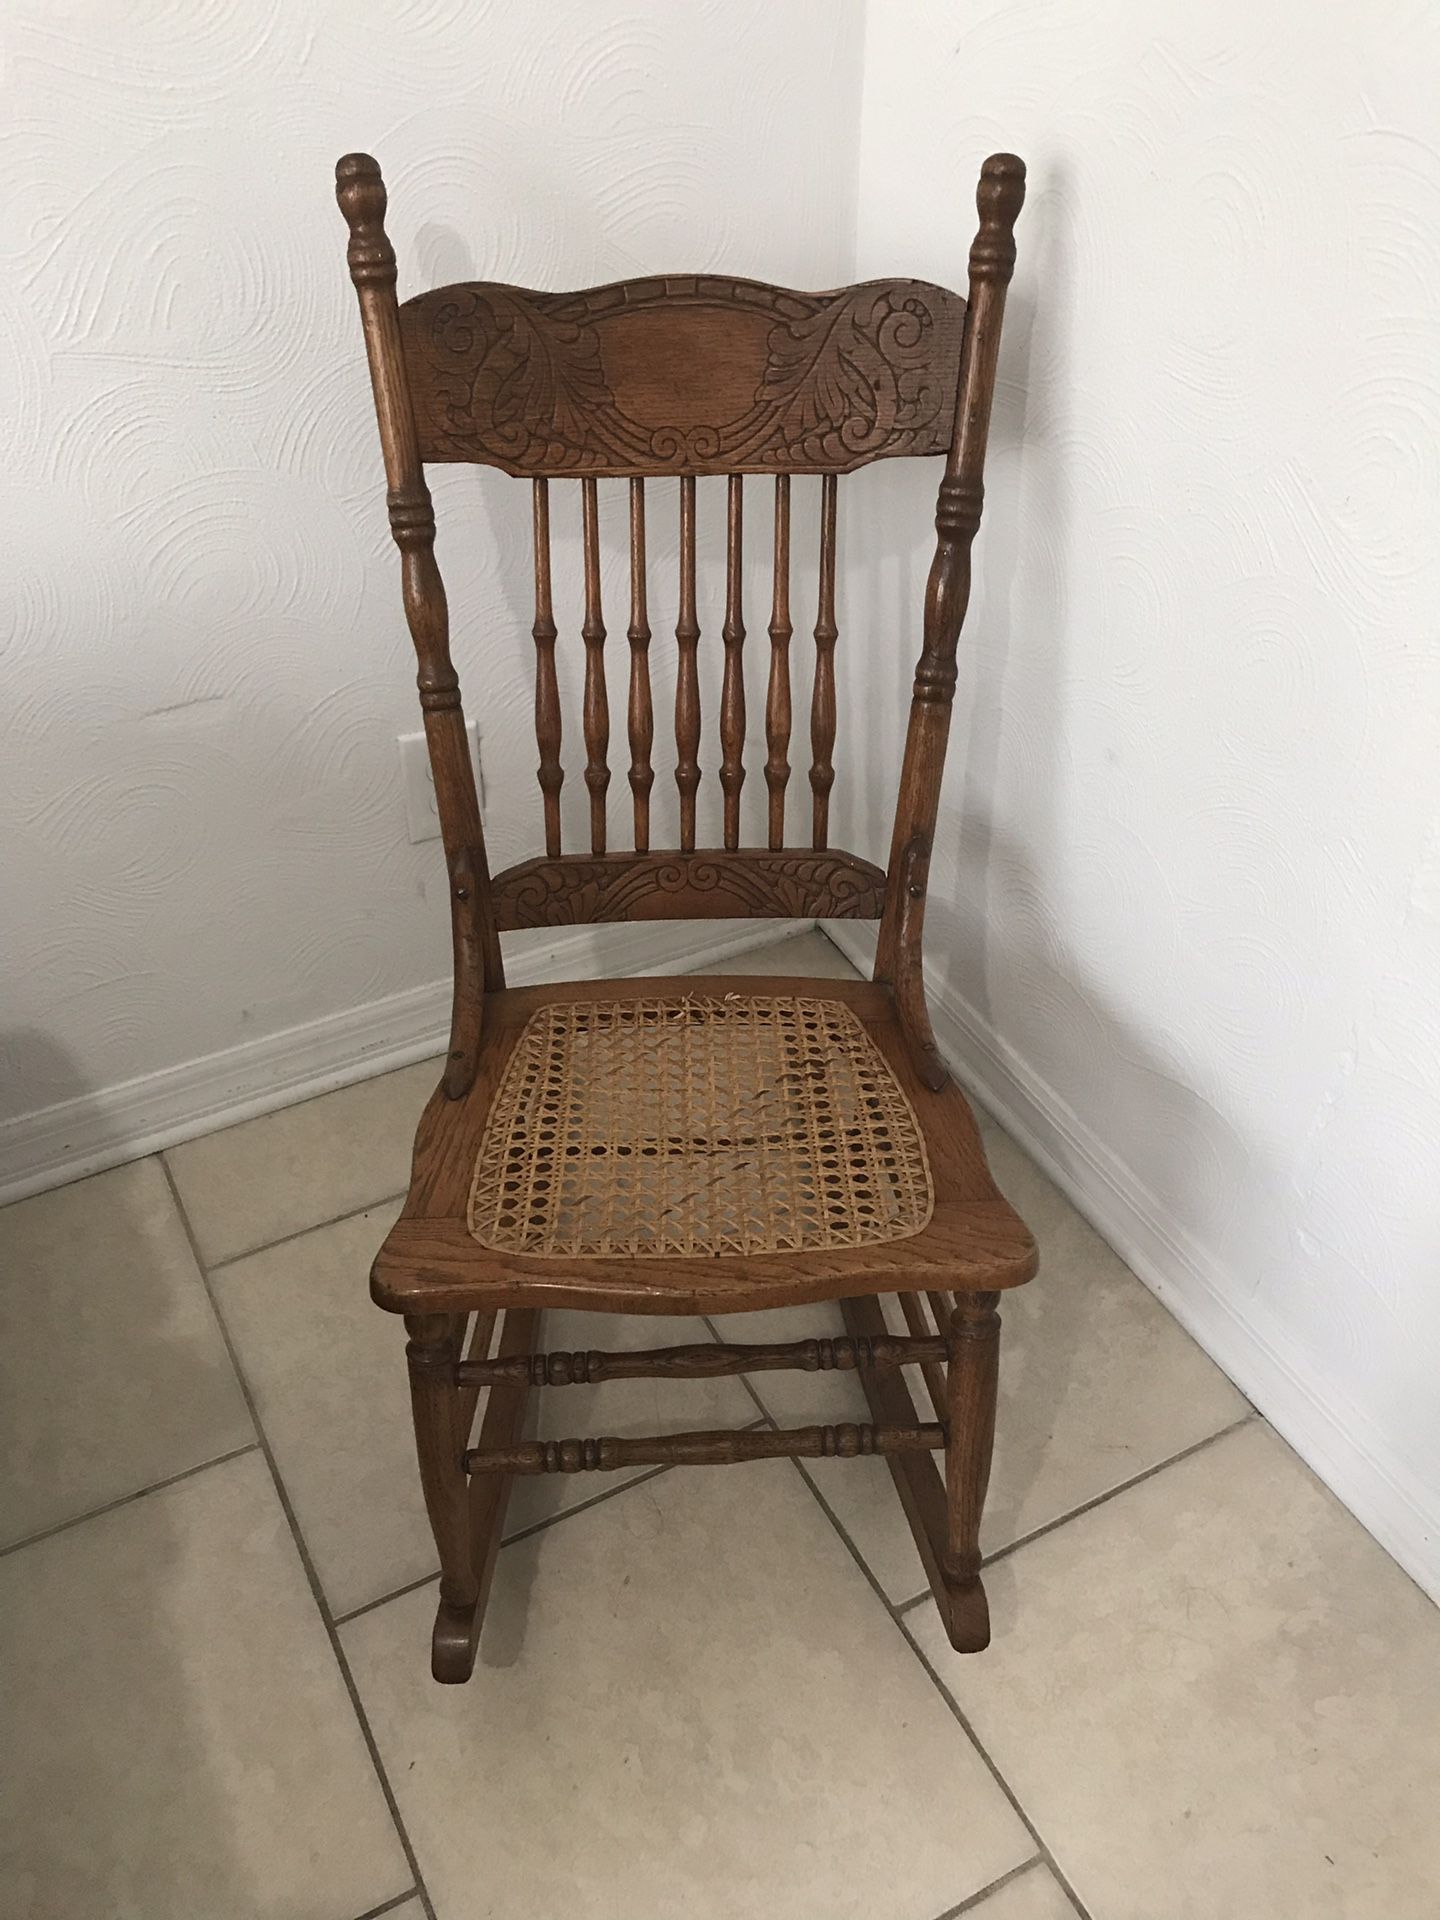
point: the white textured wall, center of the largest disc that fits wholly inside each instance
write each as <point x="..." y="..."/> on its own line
<point x="1185" y="911"/>
<point x="204" y="659"/>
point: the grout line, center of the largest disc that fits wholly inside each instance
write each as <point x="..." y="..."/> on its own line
<point x="384" y="1599"/>
<point x="283" y="1239"/>
<point x="525" y="1533"/>
<point x="854" y="1551"/>
<point x="596" y="1499"/>
<point x="1042" y="1852"/>
<point x="127" y="1499"/>
<point x="1101" y="1499"/>
<point x="969" y="1905"/>
<point x="1089" y="1506"/>
<point x="1082" y="1911"/>
<point x="825" y="1507"/>
<point x="897" y="1611"/>
<point x="581" y="1506"/>
<point x="317" y="1592"/>
<point x="389" y="1906"/>
<point x="539" y="1526"/>
<point x="510" y="1539"/>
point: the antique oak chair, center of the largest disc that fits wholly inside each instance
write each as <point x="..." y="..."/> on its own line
<point x="694" y="1145"/>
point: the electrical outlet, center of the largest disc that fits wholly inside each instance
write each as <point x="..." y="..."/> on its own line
<point x="422" y="815"/>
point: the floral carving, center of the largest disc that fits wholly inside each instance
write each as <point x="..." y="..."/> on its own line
<point x="579" y="888"/>
<point x="524" y="385"/>
<point x="855" y="379"/>
<point x="519" y="379"/>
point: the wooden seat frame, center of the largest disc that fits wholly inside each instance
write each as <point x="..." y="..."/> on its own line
<point x="689" y="376"/>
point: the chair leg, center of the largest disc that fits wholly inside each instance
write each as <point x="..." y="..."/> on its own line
<point x="974" y="1341"/>
<point x="437" y="1406"/>
<point x="921" y="1490"/>
<point x="467" y="1511"/>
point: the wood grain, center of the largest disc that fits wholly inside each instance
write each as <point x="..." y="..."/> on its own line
<point x="707" y="1361"/>
<point x="999" y="197"/>
<point x="822" y="703"/>
<point x="732" y="693"/>
<point x="455" y="1637"/>
<point x="705" y="885"/>
<point x="972" y="1381"/>
<point x="547" y="689"/>
<point x="597" y="703"/>
<point x="641" y="713"/>
<point x="777" y="697"/>
<point x="687" y="680"/>
<point x="847" y="1441"/>
<point x="918" y="1485"/>
<point x="432" y="1353"/>
<point x="692" y="373"/>
<point x="933" y="1371"/>
<point x="360" y="192"/>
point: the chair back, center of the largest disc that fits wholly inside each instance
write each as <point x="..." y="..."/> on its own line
<point x="695" y="377"/>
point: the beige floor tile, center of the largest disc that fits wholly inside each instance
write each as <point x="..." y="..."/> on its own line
<point x="327" y="1371"/>
<point x="1033" y="1895"/>
<point x="178" y="1739"/>
<point x="1216" y="1696"/>
<point x="113" y="1374"/>
<point x="808" y="953"/>
<point x="1097" y="1383"/>
<point x="688" y="1702"/>
<point x="293" y="1169"/>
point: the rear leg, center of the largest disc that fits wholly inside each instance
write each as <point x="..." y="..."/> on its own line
<point x="438" y="1407"/>
<point x="973" y="1334"/>
<point x="467" y="1511"/>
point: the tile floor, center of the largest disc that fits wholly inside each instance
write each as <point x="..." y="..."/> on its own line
<point x="1210" y="1695"/>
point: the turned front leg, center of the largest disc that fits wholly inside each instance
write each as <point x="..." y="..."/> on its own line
<point x="438" y="1406"/>
<point x="973" y="1336"/>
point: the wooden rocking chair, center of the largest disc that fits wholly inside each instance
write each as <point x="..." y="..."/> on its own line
<point x="693" y="1145"/>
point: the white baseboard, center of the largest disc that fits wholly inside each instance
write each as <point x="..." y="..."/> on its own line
<point x="97" y="1130"/>
<point x="1334" y="1437"/>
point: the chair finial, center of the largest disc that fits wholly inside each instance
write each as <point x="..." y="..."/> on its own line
<point x="999" y="197"/>
<point x="360" y="191"/>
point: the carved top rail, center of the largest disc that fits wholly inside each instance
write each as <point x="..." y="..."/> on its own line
<point x="695" y="373"/>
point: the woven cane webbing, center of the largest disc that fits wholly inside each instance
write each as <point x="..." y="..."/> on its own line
<point x="698" y="1125"/>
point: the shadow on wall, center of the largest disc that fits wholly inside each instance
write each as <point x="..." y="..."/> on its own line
<point x="997" y="951"/>
<point x="37" y="1062"/>
<point x="893" y="532"/>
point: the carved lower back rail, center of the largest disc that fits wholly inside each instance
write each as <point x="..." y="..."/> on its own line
<point x="703" y="1362"/>
<point x="709" y="1449"/>
<point x="795" y="883"/>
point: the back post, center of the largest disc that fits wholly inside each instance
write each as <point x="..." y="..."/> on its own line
<point x="899" y="956"/>
<point x="360" y="190"/>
